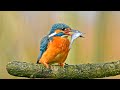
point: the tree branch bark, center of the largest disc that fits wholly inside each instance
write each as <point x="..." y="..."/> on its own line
<point x="81" y="71"/>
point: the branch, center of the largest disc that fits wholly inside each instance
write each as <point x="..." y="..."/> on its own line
<point x="82" y="71"/>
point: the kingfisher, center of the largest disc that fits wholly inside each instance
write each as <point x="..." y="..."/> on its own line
<point x="54" y="47"/>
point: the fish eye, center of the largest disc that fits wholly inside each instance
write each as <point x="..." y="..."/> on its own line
<point x="63" y="28"/>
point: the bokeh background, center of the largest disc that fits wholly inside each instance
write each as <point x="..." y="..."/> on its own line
<point x="21" y="32"/>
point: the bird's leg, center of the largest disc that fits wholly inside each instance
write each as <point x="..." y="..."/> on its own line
<point x="45" y="64"/>
<point x="61" y="64"/>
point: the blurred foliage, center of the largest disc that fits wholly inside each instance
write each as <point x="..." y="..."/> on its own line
<point x="21" y="32"/>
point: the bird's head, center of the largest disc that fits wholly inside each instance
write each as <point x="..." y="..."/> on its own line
<point x="60" y="29"/>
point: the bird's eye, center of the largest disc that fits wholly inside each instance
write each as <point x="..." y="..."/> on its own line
<point x="63" y="28"/>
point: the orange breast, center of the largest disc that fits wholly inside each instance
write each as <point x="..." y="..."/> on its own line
<point x="59" y="42"/>
<point x="57" y="51"/>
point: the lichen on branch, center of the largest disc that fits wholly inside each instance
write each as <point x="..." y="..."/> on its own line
<point x="81" y="71"/>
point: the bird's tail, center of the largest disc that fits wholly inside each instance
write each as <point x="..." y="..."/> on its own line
<point x="39" y="56"/>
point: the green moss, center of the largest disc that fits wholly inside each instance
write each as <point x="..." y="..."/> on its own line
<point x="82" y="71"/>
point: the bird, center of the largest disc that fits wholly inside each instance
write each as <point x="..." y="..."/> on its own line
<point x="54" y="47"/>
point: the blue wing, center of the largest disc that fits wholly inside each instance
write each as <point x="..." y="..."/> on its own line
<point x="43" y="46"/>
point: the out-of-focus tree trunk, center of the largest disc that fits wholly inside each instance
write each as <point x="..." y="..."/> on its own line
<point x="102" y="37"/>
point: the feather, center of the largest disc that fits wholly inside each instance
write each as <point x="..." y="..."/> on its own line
<point x="43" y="46"/>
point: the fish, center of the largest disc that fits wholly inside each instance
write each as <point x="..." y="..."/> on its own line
<point x="74" y="36"/>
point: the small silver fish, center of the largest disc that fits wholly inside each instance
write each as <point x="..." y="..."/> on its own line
<point x="75" y="36"/>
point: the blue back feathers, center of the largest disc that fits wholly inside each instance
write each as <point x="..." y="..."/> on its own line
<point x="43" y="46"/>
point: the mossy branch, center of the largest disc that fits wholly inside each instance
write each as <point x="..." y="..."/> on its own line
<point x="81" y="71"/>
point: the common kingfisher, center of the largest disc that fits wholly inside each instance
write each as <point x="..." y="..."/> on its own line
<point x="54" y="47"/>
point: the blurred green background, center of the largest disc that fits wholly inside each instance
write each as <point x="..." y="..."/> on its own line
<point x="21" y="32"/>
